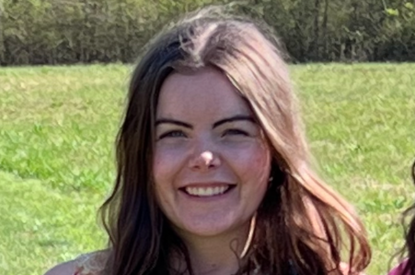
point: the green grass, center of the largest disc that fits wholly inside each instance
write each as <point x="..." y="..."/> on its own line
<point x="57" y="129"/>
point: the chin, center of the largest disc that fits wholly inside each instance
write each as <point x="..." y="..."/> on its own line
<point x="208" y="229"/>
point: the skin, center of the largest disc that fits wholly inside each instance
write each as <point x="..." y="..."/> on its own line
<point x="207" y="137"/>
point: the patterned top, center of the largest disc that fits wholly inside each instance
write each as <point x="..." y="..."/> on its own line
<point x="94" y="263"/>
<point x="91" y="263"/>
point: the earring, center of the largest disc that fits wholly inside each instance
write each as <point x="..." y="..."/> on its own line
<point x="270" y="179"/>
<point x="250" y="236"/>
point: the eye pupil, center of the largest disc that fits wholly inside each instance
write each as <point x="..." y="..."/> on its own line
<point x="175" y="134"/>
<point x="236" y="132"/>
<point x="172" y="134"/>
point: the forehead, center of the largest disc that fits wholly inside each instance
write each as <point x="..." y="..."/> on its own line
<point x="205" y="92"/>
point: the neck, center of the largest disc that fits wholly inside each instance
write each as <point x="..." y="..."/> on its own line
<point x="215" y="255"/>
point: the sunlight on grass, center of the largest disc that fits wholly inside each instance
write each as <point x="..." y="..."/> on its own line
<point x="361" y="120"/>
<point x="43" y="225"/>
<point x="58" y="126"/>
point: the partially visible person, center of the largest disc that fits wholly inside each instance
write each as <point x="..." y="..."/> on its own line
<point x="214" y="171"/>
<point x="407" y="266"/>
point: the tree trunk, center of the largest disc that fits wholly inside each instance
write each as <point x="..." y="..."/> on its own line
<point x="316" y="42"/>
<point x="2" y="47"/>
<point x="325" y="37"/>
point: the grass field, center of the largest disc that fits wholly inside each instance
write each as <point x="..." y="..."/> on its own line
<point x="57" y="127"/>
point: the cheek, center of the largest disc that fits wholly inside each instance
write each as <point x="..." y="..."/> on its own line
<point x="162" y="171"/>
<point x="159" y="166"/>
<point x="254" y="165"/>
<point x="166" y="163"/>
<point x="254" y="171"/>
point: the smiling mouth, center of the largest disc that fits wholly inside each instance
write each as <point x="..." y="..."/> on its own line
<point x="207" y="191"/>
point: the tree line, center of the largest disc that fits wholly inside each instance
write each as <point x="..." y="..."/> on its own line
<point x="85" y="31"/>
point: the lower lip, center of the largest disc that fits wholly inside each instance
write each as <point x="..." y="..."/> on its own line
<point x="209" y="198"/>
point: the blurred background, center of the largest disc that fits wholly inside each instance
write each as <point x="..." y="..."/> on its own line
<point x="73" y="31"/>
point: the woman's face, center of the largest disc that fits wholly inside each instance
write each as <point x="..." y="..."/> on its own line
<point x="211" y="163"/>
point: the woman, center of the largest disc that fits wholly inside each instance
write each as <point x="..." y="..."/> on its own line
<point x="214" y="173"/>
<point x="407" y="267"/>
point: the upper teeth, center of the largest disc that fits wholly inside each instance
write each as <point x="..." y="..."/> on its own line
<point x="206" y="191"/>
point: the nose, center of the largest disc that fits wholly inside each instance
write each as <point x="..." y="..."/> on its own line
<point x="204" y="161"/>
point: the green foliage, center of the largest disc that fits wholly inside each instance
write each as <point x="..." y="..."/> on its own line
<point x="58" y="125"/>
<point x="351" y="30"/>
<point x="85" y="31"/>
<point x="71" y="31"/>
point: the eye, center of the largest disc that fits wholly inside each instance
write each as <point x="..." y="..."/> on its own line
<point x="236" y="132"/>
<point x="172" y="134"/>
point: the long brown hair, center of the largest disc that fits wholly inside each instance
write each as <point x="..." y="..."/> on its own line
<point x="301" y="223"/>
<point x="408" y="249"/>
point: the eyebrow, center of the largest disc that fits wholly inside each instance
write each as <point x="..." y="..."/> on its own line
<point x="216" y="124"/>
<point x="232" y="119"/>
<point x="173" y="121"/>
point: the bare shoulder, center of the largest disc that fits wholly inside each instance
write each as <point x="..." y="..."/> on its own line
<point x="67" y="268"/>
